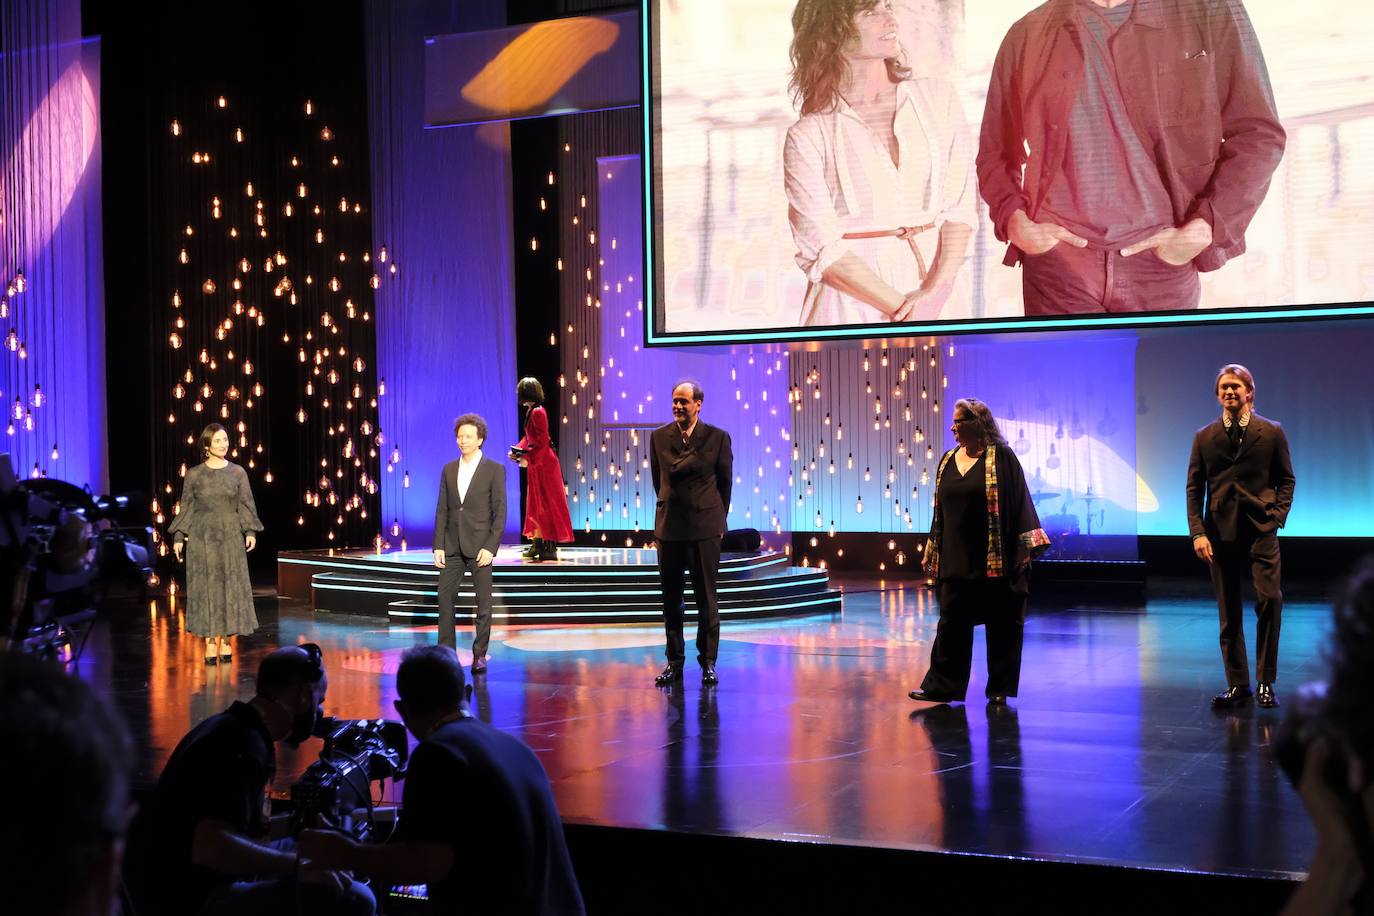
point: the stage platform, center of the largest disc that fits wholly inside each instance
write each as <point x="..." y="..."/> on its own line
<point x="806" y="781"/>
<point x="584" y="585"/>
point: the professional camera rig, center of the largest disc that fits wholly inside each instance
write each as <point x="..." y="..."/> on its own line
<point x="356" y="753"/>
<point x="60" y="548"/>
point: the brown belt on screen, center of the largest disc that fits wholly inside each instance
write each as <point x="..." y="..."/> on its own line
<point x="907" y="233"/>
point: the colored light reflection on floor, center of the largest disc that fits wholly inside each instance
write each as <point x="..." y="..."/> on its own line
<point x="1110" y="754"/>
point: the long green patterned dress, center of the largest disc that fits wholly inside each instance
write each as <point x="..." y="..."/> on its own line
<point x="217" y="511"/>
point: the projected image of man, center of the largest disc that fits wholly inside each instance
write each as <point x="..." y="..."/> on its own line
<point x="1125" y="147"/>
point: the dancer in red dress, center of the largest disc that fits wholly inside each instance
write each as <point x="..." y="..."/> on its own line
<point x="546" y="503"/>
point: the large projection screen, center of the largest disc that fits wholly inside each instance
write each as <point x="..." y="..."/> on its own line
<point x="1140" y="130"/>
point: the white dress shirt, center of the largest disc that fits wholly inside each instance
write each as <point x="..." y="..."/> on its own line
<point x="466" y="468"/>
<point x="840" y="178"/>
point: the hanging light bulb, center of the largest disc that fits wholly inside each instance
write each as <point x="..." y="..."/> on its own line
<point x="38" y="397"/>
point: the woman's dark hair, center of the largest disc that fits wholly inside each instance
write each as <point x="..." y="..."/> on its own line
<point x="207" y="434"/>
<point x="529" y="389"/>
<point x="820" y="30"/>
<point x="982" y="418"/>
<point x="1350" y="652"/>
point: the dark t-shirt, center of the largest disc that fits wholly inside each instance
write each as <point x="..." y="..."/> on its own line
<point x="484" y="794"/>
<point x="219" y="771"/>
<point x="964" y="516"/>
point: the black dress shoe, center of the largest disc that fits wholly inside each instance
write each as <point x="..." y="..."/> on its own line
<point x="1232" y="696"/>
<point x="927" y="697"/>
<point x="997" y="699"/>
<point x="670" y="673"/>
<point x="1266" y="696"/>
<point x="708" y="675"/>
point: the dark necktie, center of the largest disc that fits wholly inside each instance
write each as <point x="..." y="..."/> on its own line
<point x="1235" y="434"/>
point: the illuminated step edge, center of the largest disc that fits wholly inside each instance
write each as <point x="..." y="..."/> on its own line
<point x="553" y="587"/>
<point x="576" y="562"/>
<point x="826" y="603"/>
<point x="586" y="585"/>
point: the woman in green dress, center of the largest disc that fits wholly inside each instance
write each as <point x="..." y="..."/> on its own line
<point x="216" y="526"/>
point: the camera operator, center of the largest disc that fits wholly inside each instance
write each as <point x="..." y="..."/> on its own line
<point x="67" y="760"/>
<point x="1327" y="749"/>
<point x="479" y="825"/>
<point x="208" y="819"/>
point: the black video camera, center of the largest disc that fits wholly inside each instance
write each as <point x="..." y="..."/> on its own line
<point x="60" y="548"/>
<point x="356" y="753"/>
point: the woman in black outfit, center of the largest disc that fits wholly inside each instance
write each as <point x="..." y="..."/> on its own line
<point x="983" y="536"/>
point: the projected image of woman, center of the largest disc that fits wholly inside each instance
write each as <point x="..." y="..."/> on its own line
<point x="878" y="173"/>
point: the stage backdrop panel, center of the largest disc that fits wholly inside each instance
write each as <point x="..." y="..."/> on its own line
<point x="581" y="63"/>
<point x="725" y="262"/>
<point x="446" y="322"/>
<point x="1311" y="378"/>
<point x="52" y="306"/>
<point x="1065" y="406"/>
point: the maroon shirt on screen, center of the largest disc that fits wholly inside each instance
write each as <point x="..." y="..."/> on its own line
<point x="1194" y="87"/>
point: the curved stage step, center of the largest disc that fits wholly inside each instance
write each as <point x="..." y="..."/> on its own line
<point x="584" y="585"/>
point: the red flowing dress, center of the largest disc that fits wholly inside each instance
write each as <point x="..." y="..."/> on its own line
<point x="546" y="503"/>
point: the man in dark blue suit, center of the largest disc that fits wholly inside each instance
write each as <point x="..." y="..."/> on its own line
<point x="692" y="466"/>
<point x="1240" y="488"/>
<point x="468" y="522"/>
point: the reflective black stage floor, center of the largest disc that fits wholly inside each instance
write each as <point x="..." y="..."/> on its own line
<point x="1110" y="755"/>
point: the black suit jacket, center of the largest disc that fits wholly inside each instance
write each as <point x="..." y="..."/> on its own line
<point x="468" y="525"/>
<point x="1256" y="484"/>
<point x="692" y="481"/>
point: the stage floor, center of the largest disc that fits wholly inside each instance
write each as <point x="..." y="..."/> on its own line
<point x="1110" y="754"/>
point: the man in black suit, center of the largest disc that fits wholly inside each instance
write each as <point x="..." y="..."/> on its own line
<point x="692" y="466"/>
<point x="468" y="523"/>
<point x="1240" y="488"/>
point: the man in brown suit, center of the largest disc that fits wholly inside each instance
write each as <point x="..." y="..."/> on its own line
<point x="1240" y="488"/>
<point x="692" y="466"/>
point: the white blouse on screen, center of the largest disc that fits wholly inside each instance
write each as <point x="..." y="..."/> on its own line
<point x="840" y="178"/>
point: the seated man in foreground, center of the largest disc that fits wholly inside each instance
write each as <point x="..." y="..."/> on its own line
<point x="479" y="824"/>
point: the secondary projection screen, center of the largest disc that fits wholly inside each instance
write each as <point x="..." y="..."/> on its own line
<point x="932" y="166"/>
